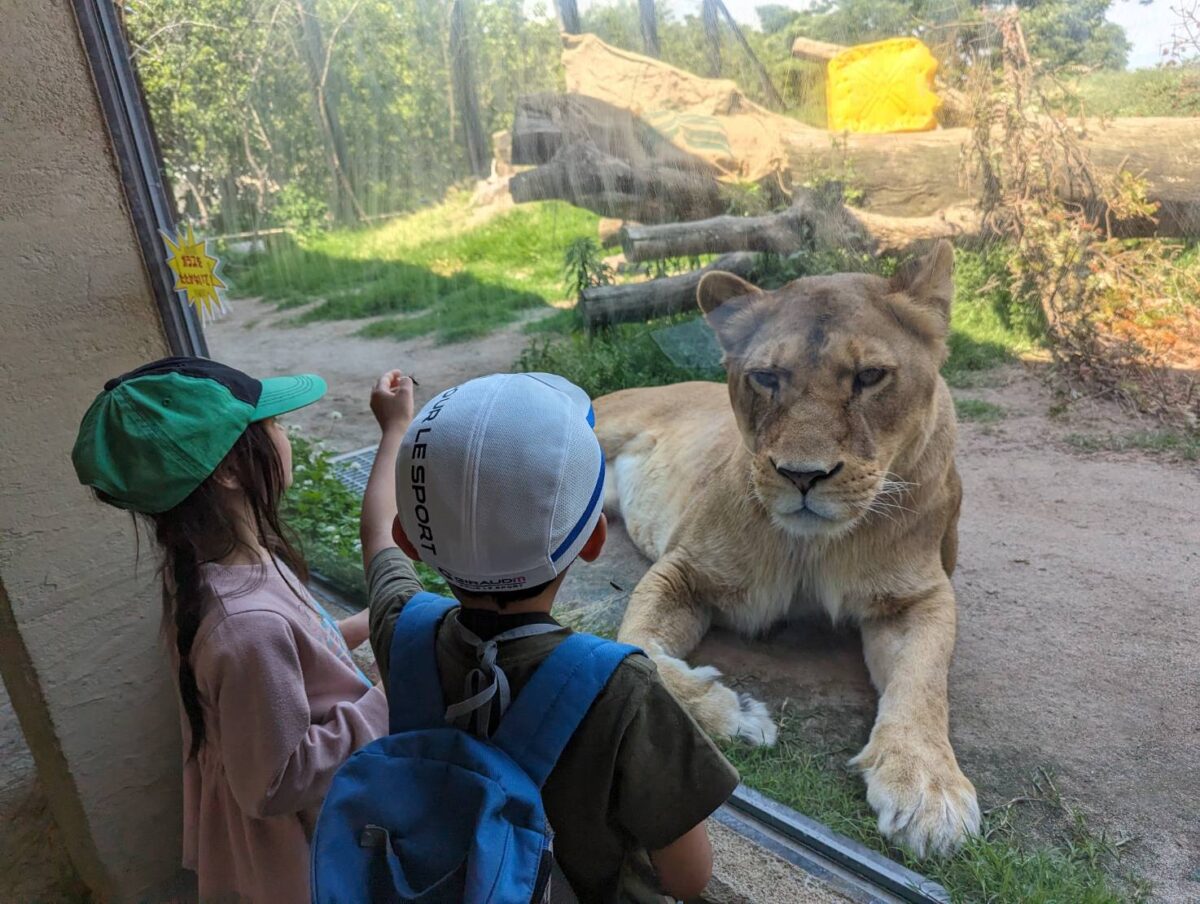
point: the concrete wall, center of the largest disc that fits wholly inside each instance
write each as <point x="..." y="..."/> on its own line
<point x="79" y="647"/>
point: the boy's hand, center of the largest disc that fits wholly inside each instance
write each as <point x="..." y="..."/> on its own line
<point x="392" y="401"/>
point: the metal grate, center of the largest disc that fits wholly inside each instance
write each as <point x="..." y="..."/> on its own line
<point x="353" y="468"/>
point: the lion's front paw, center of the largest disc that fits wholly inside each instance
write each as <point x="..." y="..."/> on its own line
<point x="720" y="711"/>
<point x="925" y="804"/>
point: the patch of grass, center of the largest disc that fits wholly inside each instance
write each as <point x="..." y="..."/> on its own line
<point x="978" y="410"/>
<point x="622" y="357"/>
<point x="1173" y="443"/>
<point x="450" y="276"/>
<point x="1141" y="92"/>
<point x="987" y="329"/>
<point x="996" y="868"/>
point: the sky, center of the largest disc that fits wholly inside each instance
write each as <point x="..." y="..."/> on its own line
<point x="1148" y="26"/>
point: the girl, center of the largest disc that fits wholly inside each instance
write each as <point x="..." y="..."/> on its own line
<point x="272" y="702"/>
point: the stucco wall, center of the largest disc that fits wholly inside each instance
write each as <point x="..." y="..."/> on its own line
<point x="79" y="649"/>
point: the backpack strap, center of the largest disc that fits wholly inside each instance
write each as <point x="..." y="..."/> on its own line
<point x="414" y="688"/>
<point x="550" y="707"/>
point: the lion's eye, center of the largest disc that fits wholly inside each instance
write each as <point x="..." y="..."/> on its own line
<point x="764" y="379"/>
<point x="869" y="377"/>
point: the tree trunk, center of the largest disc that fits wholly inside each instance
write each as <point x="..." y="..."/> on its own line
<point x="606" y="305"/>
<point x="587" y="177"/>
<point x="649" y="22"/>
<point x="568" y="16"/>
<point x="774" y="101"/>
<point x="712" y="34"/>
<point x="899" y="234"/>
<point x="626" y="172"/>
<point x="919" y="173"/>
<point x="344" y="204"/>
<point x="462" y="73"/>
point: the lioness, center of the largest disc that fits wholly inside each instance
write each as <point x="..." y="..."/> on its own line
<point x="830" y="485"/>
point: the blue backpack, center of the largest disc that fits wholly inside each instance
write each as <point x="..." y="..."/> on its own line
<point x="432" y="813"/>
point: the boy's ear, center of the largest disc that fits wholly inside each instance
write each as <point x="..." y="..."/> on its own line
<point x="402" y="540"/>
<point x="591" y="549"/>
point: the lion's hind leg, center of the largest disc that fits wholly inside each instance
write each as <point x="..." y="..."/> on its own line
<point x="667" y="619"/>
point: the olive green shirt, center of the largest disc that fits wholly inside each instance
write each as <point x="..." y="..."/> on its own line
<point x="638" y="774"/>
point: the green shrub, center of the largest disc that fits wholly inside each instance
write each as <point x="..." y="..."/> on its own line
<point x="324" y="514"/>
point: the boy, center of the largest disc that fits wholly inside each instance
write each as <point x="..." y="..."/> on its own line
<point x="498" y="485"/>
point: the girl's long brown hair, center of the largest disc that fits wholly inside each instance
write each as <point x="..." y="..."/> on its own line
<point x="201" y="530"/>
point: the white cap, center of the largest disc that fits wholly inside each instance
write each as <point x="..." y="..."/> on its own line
<point x="499" y="481"/>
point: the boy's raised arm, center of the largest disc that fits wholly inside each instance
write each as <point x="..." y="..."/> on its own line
<point x="392" y="405"/>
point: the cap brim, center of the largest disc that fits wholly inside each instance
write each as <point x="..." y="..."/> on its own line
<point x="283" y="394"/>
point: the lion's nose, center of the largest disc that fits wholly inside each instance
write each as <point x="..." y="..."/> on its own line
<point x="804" y="480"/>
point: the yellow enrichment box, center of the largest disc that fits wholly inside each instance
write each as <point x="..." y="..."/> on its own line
<point x="882" y="87"/>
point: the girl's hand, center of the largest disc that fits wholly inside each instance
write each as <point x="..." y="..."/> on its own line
<point x="392" y="401"/>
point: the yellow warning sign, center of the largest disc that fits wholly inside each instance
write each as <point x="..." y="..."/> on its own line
<point x="196" y="273"/>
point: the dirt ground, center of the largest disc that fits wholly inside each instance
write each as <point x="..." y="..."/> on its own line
<point x="349" y="364"/>
<point x="1078" y="586"/>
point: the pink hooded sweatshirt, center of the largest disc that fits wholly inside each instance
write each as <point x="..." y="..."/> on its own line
<point x="284" y="706"/>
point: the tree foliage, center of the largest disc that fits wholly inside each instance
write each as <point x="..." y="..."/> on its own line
<point x="299" y="112"/>
<point x="234" y="100"/>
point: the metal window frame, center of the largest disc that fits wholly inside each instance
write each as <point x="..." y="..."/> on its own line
<point x="140" y="165"/>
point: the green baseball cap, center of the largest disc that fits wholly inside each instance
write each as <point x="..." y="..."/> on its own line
<point x="156" y="433"/>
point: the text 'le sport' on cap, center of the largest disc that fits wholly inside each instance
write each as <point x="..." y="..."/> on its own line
<point x="499" y="481"/>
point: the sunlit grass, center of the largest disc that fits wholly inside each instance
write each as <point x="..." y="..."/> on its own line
<point x="439" y="271"/>
<point x="1172" y="443"/>
<point x="977" y="410"/>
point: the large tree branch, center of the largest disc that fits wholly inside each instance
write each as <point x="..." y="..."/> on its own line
<point x="606" y="305"/>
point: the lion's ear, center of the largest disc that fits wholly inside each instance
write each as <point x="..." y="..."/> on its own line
<point x="718" y="287"/>
<point x="928" y="281"/>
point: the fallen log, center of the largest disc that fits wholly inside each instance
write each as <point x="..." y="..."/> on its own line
<point x="607" y="305"/>
<point x="815" y="51"/>
<point x="901" y="234"/>
<point x="807" y="224"/>
<point x="587" y="177"/>
<point x="814" y="219"/>
<point x="917" y="174"/>
<point x="603" y="158"/>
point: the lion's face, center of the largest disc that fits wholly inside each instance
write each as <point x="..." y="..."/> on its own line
<point x="832" y="379"/>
